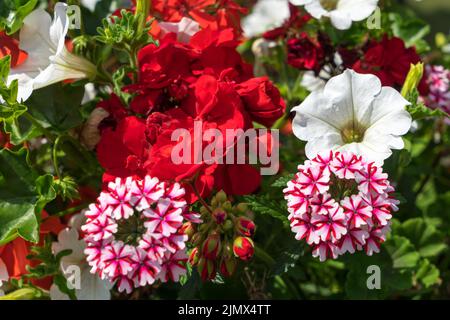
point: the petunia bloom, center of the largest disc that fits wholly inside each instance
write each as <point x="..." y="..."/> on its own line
<point x="341" y="12"/>
<point x="353" y="113"/>
<point x="48" y="60"/>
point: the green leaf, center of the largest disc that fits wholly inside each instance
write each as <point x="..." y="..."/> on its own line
<point x="412" y="30"/>
<point x="420" y="111"/>
<point x="57" y="106"/>
<point x="13" y="12"/>
<point x="427" y="273"/>
<point x="428" y="241"/>
<point x="396" y="260"/>
<point x="264" y="205"/>
<point x="282" y="181"/>
<point x="20" y="200"/>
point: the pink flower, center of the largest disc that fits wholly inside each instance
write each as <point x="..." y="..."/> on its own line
<point x="340" y="203"/>
<point x="353" y="240"/>
<point x="116" y="259"/>
<point x="371" y="179"/>
<point x="165" y="219"/>
<point x="331" y="226"/>
<point x="324" y="250"/>
<point x="134" y="232"/>
<point x="357" y="211"/>
<point x="145" y="192"/>
<point x="313" y="180"/>
<point x="304" y="229"/>
<point x="345" y="165"/>
<point x="173" y="266"/>
<point x="298" y="203"/>
<point x="101" y="228"/>
<point x="322" y="203"/>
<point x="145" y="268"/>
<point x="376" y="237"/>
<point x="119" y="199"/>
<point x="381" y="208"/>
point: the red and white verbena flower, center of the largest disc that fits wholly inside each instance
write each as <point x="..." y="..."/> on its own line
<point x="339" y="202"/>
<point x="133" y="232"/>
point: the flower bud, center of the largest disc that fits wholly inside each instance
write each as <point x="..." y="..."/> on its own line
<point x="194" y="257"/>
<point x="206" y="268"/>
<point x="243" y="248"/>
<point x="211" y="246"/>
<point x="245" y="226"/>
<point x="228" y="266"/>
<point x="188" y="229"/>
<point x="219" y="216"/>
<point x="227" y="206"/>
<point x="196" y="238"/>
<point x="228" y="225"/>
<point x="221" y="196"/>
<point x="413" y="78"/>
<point x="242" y="208"/>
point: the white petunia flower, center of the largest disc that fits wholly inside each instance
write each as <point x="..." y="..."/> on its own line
<point x="353" y="113"/>
<point x="340" y="12"/>
<point x="92" y="287"/>
<point x="90" y="4"/>
<point x="48" y="60"/>
<point x="184" y="29"/>
<point x="266" y="15"/>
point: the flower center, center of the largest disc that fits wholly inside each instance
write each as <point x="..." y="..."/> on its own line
<point x="353" y="132"/>
<point x="341" y="188"/>
<point x="130" y="230"/>
<point x="329" y="5"/>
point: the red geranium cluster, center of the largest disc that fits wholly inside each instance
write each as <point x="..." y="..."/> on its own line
<point x="389" y="60"/>
<point x="214" y="14"/>
<point x="204" y="80"/>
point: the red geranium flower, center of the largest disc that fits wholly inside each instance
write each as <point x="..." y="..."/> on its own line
<point x="390" y="61"/>
<point x="262" y="100"/>
<point x="305" y="53"/>
<point x="10" y="46"/>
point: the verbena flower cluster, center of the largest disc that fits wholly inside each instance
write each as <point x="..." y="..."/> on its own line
<point x="134" y="233"/>
<point x="338" y="203"/>
<point x="438" y="79"/>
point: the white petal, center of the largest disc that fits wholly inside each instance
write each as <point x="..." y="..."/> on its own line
<point x="266" y="15"/>
<point x="59" y="27"/>
<point x="315" y="9"/>
<point x="312" y="121"/>
<point x="341" y="20"/>
<point x="328" y="141"/>
<point x="357" y="9"/>
<point x="389" y="114"/>
<point x="184" y="29"/>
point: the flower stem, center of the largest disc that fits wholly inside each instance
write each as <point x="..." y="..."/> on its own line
<point x="264" y="256"/>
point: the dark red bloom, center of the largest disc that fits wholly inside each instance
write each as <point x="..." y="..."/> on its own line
<point x="390" y="61"/>
<point x="262" y="100"/>
<point x="297" y="19"/>
<point x="305" y="53"/>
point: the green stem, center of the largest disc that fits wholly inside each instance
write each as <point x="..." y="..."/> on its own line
<point x="55" y="157"/>
<point x="143" y="10"/>
<point x="264" y="256"/>
<point x="68" y="211"/>
<point x="202" y="201"/>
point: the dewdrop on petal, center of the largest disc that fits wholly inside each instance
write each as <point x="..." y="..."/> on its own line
<point x="339" y="203"/>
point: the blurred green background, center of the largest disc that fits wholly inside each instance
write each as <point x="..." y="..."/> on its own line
<point x="435" y="12"/>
